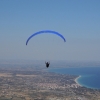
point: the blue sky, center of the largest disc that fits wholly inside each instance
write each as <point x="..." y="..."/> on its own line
<point x="77" y="20"/>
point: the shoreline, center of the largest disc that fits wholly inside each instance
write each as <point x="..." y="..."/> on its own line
<point x="76" y="80"/>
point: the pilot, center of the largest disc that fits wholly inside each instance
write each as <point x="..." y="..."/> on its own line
<point x="47" y="64"/>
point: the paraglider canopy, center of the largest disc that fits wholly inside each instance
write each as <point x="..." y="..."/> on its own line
<point x="46" y="31"/>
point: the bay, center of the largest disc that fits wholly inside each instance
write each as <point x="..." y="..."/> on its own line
<point x="90" y="76"/>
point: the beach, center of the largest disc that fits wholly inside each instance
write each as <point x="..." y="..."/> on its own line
<point x="76" y="80"/>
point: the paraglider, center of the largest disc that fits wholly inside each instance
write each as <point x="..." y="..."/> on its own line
<point x="46" y="31"/>
<point x="47" y="64"/>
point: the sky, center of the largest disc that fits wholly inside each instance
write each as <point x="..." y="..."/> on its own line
<point x="77" y="20"/>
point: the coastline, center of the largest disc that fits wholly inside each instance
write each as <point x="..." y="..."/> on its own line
<point x="76" y="80"/>
<point x="90" y="79"/>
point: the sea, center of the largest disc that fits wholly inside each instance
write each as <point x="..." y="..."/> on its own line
<point x="90" y="76"/>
